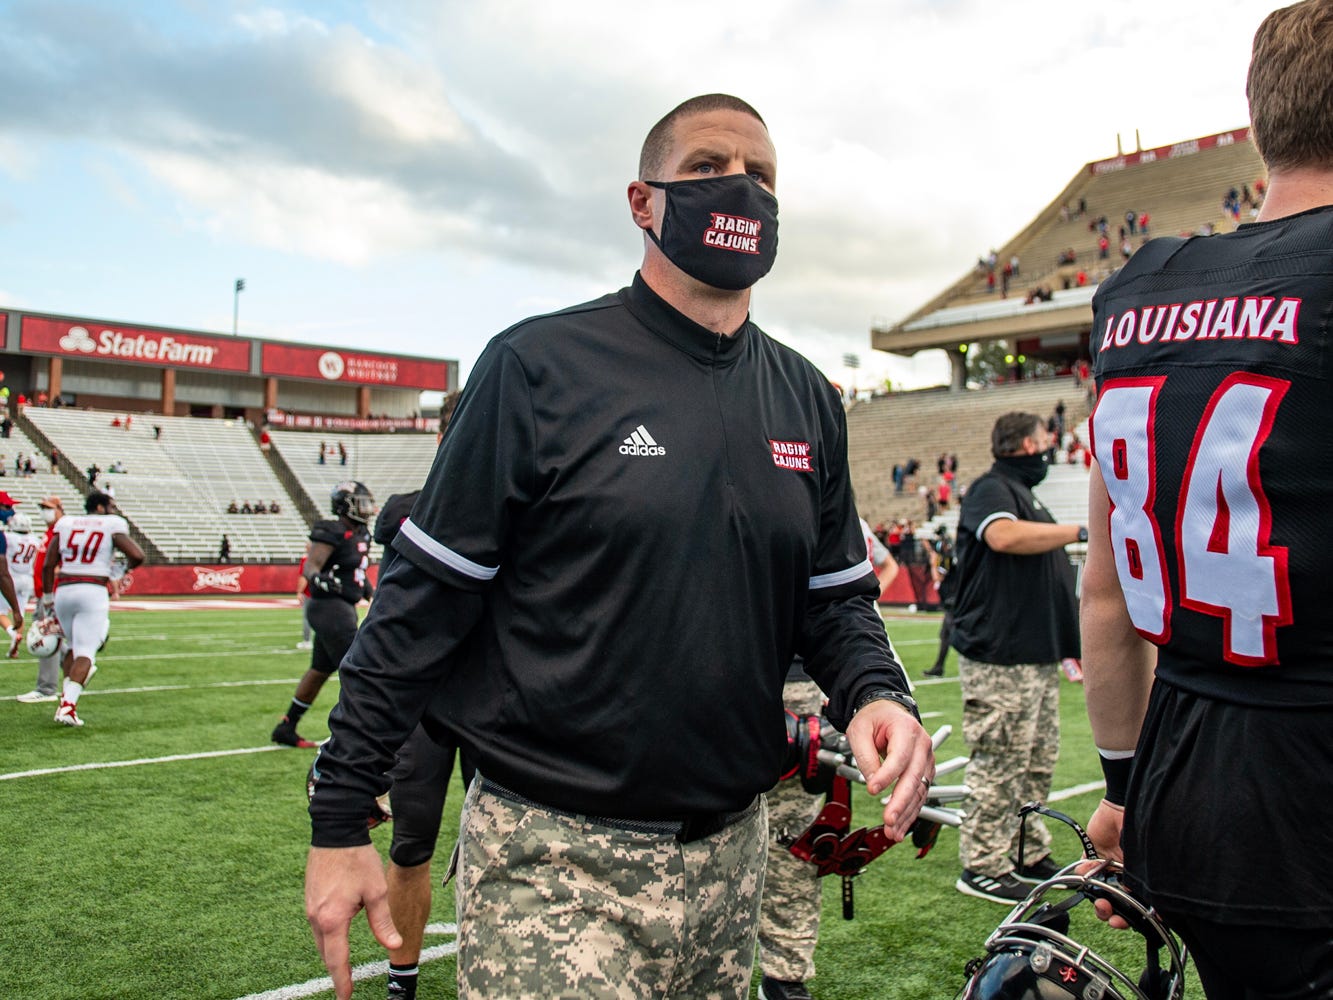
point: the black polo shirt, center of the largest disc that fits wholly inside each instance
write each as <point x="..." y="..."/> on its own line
<point x="1010" y="608"/>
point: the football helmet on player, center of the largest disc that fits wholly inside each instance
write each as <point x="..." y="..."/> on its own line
<point x="20" y="523"/>
<point x="1032" y="955"/>
<point x="44" y="637"/>
<point x="352" y="500"/>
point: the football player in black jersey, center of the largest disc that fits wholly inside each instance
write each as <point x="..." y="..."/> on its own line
<point x="336" y="569"/>
<point x="1205" y="616"/>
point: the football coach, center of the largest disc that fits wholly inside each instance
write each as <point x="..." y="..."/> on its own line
<point x="676" y="483"/>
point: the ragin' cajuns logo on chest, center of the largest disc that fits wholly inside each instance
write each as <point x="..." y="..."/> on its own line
<point x="791" y="455"/>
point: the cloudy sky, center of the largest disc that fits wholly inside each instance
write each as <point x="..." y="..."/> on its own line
<point x="415" y="175"/>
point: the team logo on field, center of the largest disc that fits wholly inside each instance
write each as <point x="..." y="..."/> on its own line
<point x="792" y="455"/>
<point x="207" y="578"/>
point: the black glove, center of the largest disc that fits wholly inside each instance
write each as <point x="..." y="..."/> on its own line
<point x="326" y="582"/>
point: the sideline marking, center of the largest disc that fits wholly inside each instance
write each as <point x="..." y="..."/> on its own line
<point x="180" y="687"/>
<point x="143" y="760"/>
<point x="368" y="971"/>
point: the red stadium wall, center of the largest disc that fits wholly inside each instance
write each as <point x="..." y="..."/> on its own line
<point x="214" y="579"/>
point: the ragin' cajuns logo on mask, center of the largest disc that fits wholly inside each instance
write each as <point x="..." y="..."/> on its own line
<point x="733" y="232"/>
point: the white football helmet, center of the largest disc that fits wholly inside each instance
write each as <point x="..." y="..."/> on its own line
<point x="44" y="637"/>
<point x="20" y="523"/>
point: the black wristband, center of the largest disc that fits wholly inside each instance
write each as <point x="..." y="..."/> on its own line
<point x="888" y="694"/>
<point x="1082" y="533"/>
<point x="1116" y="771"/>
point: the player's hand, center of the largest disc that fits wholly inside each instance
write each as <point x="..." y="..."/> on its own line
<point x="45" y="606"/>
<point x="891" y="746"/>
<point x="339" y="881"/>
<point x="1104" y="831"/>
<point x="326" y="582"/>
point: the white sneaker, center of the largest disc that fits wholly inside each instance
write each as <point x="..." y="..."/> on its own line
<point x="66" y="715"/>
<point x="305" y="644"/>
<point x="34" y="696"/>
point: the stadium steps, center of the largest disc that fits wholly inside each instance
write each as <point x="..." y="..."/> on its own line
<point x="887" y="430"/>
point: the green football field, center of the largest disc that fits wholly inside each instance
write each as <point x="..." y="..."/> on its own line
<point x="159" y="850"/>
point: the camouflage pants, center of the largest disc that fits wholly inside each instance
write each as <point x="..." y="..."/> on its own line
<point x="1011" y="723"/>
<point x="789" y="918"/>
<point x="550" y="905"/>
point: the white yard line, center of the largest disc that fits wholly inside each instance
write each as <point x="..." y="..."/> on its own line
<point x="368" y="971"/>
<point x="136" y="763"/>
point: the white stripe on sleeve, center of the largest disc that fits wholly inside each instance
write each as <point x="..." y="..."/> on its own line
<point x="842" y="576"/>
<point x="446" y="555"/>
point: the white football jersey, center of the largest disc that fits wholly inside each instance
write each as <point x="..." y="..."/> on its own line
<point x="21" y="550"/>
<point x="85" y="545"/>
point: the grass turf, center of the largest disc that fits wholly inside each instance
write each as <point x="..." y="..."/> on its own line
<point x="184" y="878"/>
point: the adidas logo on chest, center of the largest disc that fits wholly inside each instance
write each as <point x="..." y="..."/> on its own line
<point x="641" y="443"/>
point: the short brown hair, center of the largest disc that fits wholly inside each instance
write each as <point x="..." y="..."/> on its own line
<point x="1006" y="437"/>
<point x="1290" y="86"/>
<point x="652" y="158"/>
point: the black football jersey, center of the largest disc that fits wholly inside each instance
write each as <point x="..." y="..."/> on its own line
<point x="347" y="561"/>
<point x="1212" y="359"/>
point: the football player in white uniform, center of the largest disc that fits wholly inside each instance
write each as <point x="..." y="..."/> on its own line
<point x="13" y="624"/>
<point x="21" y="551"/>
<point x="82" y="548"/>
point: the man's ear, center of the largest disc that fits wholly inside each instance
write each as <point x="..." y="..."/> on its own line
<point x="641" y="204"/>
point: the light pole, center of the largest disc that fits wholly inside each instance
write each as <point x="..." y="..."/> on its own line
<point x="236" y="304"/>
<point x="853" y="362"/>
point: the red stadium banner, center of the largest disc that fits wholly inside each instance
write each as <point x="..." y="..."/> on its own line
<point x="356" y="368"/>
<point x="214" y="579"/>
<point x="1187" y="148"/>
<point x="159" y="348"/>
<point x="318" y="422"/>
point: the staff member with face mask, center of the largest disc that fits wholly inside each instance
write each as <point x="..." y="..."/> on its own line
<point x="640" y="512"/>
<point x="1014" y="620"/>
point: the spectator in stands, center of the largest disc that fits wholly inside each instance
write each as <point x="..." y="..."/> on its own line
<point x="1131" y="220"/>
<point x="273" y="507"/>
<point x="265" y="440"/>
<point x="1103" y="247"/>
<point x="4" y="465"/>
<point x="115" y="421"/>
<point x="129" y="419"/>
<point x="1126" y="248"/>
<point x="28" y="468"/>
<point x="1143" y="224"/>
<point x="321" y="453"/>
<point x="1013" y="265"/>
<point x="946" y="585"/>
<point x="117" y="467"/>
<point x="157" y="431"/>
<point x="1082" y="206"/>
<point x="6" y="426"/>
<point x="342" y="453"/>
<point x="895" y="542"/>
<point x="932" y="506"/>
<point x="245" y="507"/>
<point x="224" y="550"/>
<point x="1081" y="279"/>
<point x="953" y="463"/>
<point x="55" y="460"/>
<point x="1060" y="418"/>
<point x="93" y="472"/>
<point x="260" y="507"/>
<point x="944" y="492"/>
<point x="233" y="508"/>
<point x="910" y="471"/>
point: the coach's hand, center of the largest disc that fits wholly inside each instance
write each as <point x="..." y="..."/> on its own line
<point x="891" y="746"/>
<point x="339" y="881"/>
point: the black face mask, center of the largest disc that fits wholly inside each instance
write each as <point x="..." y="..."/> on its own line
<point x="1030" y="469"/>
<point x="722" y="231"/>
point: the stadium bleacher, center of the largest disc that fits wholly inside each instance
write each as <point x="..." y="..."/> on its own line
<point x="176" y="488"/>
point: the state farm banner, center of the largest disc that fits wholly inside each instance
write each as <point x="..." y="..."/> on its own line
<point x="215" y="579"/>
<point x="97" y="341"/>
<point x="353" y="367"/>
<point x="1187" y="148"/>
